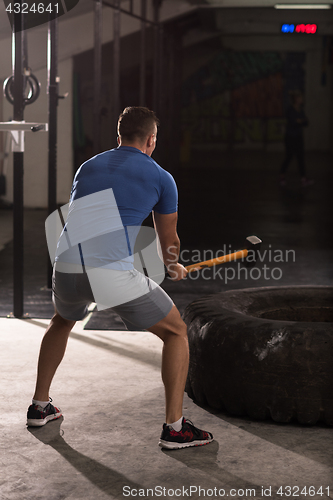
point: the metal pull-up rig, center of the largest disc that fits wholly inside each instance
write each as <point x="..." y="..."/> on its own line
<point x="15" y="91"/>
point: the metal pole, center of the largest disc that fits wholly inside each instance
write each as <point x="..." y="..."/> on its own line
<point x="18" y="165"/>
<point x="52" y="63"/>
<point x="156" y="71"/>
<point x="160" y="82"/>
<point x="143" y="55"/>
<point x="116" y="64"/>
<point x="174" y="95"/>
<point x="97" y="76"/>
<point x="127" y="12"/>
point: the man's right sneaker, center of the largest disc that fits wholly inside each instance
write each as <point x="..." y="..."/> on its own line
<point x="38" y="416"/>
<point x="189" y="435"/>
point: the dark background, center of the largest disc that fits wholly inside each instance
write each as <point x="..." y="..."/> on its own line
<point x="222" y="115"/>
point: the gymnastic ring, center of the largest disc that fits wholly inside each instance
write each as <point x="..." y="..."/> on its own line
<point x="34" y="92"/>
<point x="264" y="352"/>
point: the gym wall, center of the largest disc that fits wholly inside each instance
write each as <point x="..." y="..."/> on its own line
<point x="36" y="144"/>
<point x="76" y="36"/>
<point x="236" y="95"/>
<point x="187" y="58"/>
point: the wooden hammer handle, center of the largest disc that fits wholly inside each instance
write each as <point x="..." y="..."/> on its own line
<point x="218" y="260"/>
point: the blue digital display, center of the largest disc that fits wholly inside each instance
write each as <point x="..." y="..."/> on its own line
<point x="288" y="28"/>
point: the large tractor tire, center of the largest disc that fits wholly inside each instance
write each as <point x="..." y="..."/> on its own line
<point x="264" y="352"/>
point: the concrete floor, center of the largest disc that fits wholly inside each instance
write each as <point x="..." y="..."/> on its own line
<point x="106" y="446"/>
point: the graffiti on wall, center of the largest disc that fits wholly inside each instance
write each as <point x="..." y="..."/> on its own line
<point x="240" y="97"/>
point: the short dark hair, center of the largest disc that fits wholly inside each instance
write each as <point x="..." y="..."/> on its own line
<point x="136" y="122"/>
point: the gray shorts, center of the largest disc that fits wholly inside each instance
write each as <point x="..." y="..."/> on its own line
<point x="72" y="295"/>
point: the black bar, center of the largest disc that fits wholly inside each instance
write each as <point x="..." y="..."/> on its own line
<point x="160" y="81"/>
<point x="116" y="65"/>
<point x="143" y="55"/>
<point x="174" y="93"/>
<point x="18" y="58"/>
<point x="97" y="76"/>
<point x="156" y="63"/>
<point x="18" y="235"/>
<point x="52" y="62"/>
<point x="127" y="12"/>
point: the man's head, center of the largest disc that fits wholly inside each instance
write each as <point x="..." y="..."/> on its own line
<point x="137" y="127"/>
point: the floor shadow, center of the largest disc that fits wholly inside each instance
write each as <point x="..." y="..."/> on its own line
<point x="289" y="436"/>
<point x="142" y="356"/>
<point x="110" y="345"/>
<point x="206" y="459"/>
<point x="36" y="323"/>
<point x="107" y="480"/>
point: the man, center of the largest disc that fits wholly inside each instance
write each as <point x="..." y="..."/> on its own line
<point x="294" y="141"/>
<point x="121" y="186"/>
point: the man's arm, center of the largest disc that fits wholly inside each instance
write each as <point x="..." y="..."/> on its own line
<point x="166" y="228"/>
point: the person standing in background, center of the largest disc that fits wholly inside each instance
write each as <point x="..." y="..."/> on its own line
<point x="294" y="141"/>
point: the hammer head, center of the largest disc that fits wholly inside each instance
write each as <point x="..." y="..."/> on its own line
<point x="253" y="244"/>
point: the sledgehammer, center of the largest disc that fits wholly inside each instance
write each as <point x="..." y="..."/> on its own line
<point x="252" y="248"/>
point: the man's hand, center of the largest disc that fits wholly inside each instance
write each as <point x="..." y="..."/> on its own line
<point x="177" y="272"/>
<point x="166" y="228"/>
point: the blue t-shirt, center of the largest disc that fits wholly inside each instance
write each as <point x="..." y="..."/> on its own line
<point x="112" y="194"/>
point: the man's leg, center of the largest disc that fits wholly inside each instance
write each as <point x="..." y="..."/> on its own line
<point x="289" y="153"/>
<point x="299" y="148"/>
<point x="175" y="358"/>
<point x="52" y="351"/>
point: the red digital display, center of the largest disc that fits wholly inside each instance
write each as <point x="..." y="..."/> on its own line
<point x="306" y="28"/>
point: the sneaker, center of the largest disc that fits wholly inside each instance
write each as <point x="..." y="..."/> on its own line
<point x="186" y="437"/>
<point x="38" y="416"/>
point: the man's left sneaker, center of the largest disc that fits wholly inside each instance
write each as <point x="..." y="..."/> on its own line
<point x="38" y="416"/>
<point x="189" y="435"/>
